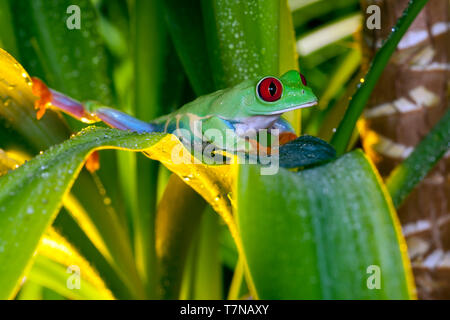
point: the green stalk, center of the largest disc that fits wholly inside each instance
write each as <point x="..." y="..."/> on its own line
<point x="237" y="281"/>
<point x="149" y="55"/>
<point x="7" y="36"/>
<point x="207" y="283"/>
<point x="178" y="220"/>
<point x="344" y="132"/>
<point x="410" y="172"/>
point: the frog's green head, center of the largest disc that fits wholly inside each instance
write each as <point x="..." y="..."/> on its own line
<point x="275" y="96"/>
<point x="268" y="97"/>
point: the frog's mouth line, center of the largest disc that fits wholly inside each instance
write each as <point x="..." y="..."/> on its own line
<point x="280" y="112"/>
<point x="305" y="105"/>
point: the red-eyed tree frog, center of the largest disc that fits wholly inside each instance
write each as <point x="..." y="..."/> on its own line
<point x="233" y="112"/>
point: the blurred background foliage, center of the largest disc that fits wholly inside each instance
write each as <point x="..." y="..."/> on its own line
<point x="148" y="58"/>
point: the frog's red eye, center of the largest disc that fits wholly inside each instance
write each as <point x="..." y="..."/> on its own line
<point x="270" y="89"/>
<point x="303" y="80"/>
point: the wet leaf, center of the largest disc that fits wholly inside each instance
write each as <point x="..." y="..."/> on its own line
<point x="410" y="172"/>
<point x="322" y="233"/>
<point x="185" y="24"/>
<point x="16" y="107"/>
<point x="44" y="180"/>
<point x="72" y="61"/>
<point x="57" y="261"/>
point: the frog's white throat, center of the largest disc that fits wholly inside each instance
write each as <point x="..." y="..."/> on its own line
<point x="255" y="123"/>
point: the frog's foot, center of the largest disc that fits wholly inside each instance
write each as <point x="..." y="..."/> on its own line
<point x="44" y="97"/>
<point x="51" y="99"/>
<point x="286" y="137"/>
<point x="263" y="149"/>
<point x="93" y="162"/>
<point x="238" y="145"/>
<point x="258" y="148"/>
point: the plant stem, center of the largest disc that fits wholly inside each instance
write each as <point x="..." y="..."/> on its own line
<point x="411" y="171"/>
<point x="238" y="279"/>
<point x="359" y="100"/>
<point x="149" y="47"/>
<point x="177" y="222"/>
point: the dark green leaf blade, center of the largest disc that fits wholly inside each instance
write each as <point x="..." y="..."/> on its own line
<point x="185" y="24"/>
<point x="72" y="61"/>
<point x="305" y="151"/>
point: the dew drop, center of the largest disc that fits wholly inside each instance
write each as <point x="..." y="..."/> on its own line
<point x="30" y="210"/>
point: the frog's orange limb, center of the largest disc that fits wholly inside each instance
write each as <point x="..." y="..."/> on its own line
<point x="48" y="98"/>
<point x="286" y="137"/>
<point x="93" y="162"/>
<point x="259" y="147"/>
<point x="44" y="97"/>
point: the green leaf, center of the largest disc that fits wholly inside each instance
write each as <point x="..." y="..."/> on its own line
<point x="243" y="39"/>
<point x="55" y="265"/>
<point x="7" y="38"/>
<point x="207" y="277"/>
<point x="315" y="44"/>
<point x="238" y="285"/>
<point x="288" y="57"/>
<point x="221" y="43"/>
<point x="150" y="52"/>
<point x="344" y="132"/>
<point x="305" y="11"/>
<point x="340" y="76"/>
<point x="316" y="234"/>
<point x="185" y="24"/>
<point x="410" y="172"/>
<point x="45" y="44"/>
<point x="16" y="106"/>
<point x="43" y="181"/>
<point x="249" y="39"/>
<point x="115" y="280"/>
<point x="30" y="291"/>
<point x="179" y="212"/>
<point x="202" y="276"/>
<point x="72" y="61"/>
<point x="57" y="247"/>
<point x="53" y="275"/>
